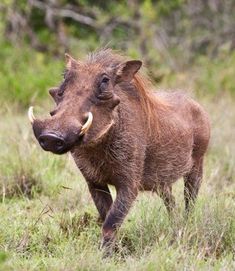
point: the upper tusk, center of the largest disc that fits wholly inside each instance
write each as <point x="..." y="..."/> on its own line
<point x="30" y="114"/>
<point x="87" y="125"/>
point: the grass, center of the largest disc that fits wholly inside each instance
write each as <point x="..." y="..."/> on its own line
<point x="49" y="222"/>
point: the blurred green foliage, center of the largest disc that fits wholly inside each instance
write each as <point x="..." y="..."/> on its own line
<point x="26" y="74"/>
<point x="184" y="44"/>
<point x="217" y="75"/>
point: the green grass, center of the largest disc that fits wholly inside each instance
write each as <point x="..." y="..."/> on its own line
<point x="49" y="222"/>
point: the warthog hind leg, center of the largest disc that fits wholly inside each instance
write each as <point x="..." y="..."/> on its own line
<point x="192" y="182"/>
<point x="165" y="192"/>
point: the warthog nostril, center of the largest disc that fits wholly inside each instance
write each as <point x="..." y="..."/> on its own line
<point x="52" y="142"/>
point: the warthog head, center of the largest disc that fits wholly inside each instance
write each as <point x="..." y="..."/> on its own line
<point x="85" y="103"/>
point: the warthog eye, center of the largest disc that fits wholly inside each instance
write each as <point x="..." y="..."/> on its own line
<point x="103" y="91"/>
<point x="104" y="83"/>
<point x="105" y="80"/>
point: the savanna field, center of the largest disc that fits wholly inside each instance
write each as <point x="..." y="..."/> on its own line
<point x="48" y="220"/>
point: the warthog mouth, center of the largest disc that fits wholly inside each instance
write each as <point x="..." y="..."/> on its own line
<point x="55" y="142"/>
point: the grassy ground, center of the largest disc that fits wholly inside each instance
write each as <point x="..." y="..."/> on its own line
<point x="48" y="220"/>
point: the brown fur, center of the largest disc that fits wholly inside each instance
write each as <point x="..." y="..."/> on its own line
<point x="138" y="140"/>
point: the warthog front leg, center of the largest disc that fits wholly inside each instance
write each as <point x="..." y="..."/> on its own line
<point x="116" y="215"/>
<point x="101" y="197"/>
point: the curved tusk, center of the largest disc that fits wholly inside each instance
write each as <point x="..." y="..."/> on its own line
<point x="30" y="114"/>
<point x="87" y="125"/>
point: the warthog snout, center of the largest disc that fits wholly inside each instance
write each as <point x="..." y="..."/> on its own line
<point x="59" y="135"/>
<point x="54" y="140"/>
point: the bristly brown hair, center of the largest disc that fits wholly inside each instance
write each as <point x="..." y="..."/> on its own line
<point x="148" y="100"/>
<point x="150" y="103"/>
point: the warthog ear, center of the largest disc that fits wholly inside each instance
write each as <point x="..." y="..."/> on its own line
<point x="70" y="62"/>
<point x="127" y="70"/>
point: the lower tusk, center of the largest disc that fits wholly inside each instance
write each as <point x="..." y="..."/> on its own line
<point x="30" y="114"/>
<point x="87" y="125"/>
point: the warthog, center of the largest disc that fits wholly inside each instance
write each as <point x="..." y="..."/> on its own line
<point x="121" y="133"/>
